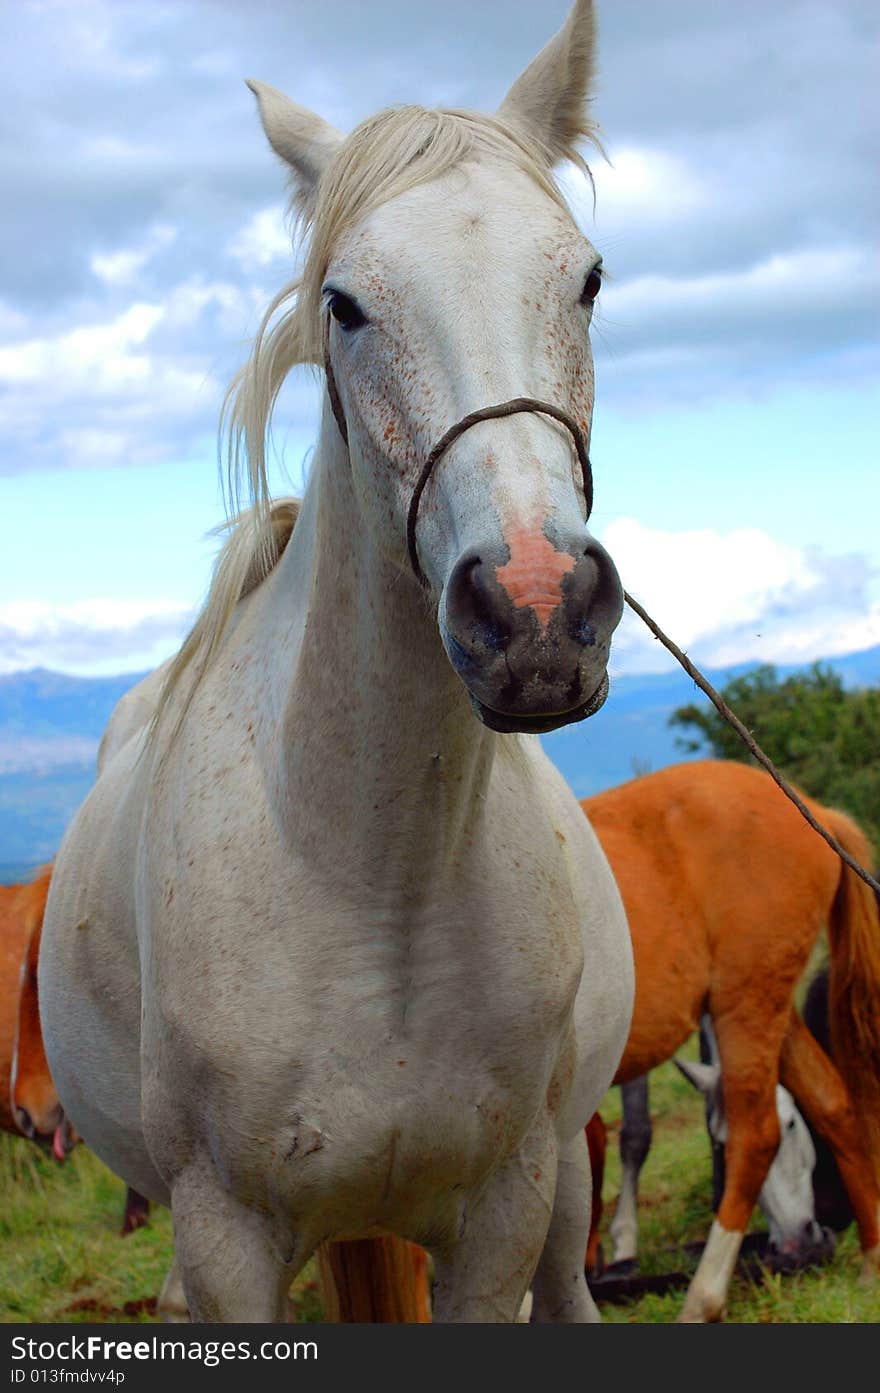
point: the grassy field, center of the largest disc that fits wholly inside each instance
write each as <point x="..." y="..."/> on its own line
<point x="62" y="1259"/>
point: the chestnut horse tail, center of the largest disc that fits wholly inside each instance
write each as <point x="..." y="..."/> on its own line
<point x="374" y="1281"/>
<point x="854" y="985"/>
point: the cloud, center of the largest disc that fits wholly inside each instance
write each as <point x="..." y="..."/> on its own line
<point x="145" y="384"/>
<point x="121" y="267"/>
<point x="264" y="240"/>
<point x="90" y="635"/>
<point x="736" y="219"/>
<point x="34" y="755"/>
<point x="143" y="233"/>
<point x="738" y="596"/>
<point x="639" y="184"/>
<point x="105" y="349"/>
<point x="780" y="301"/>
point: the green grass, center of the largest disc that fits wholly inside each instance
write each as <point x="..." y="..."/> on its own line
<point x="62" y="1259"/>
<point x="61" y="1255"/>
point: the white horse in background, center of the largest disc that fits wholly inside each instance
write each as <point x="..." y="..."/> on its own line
<point x="331" y="950"/>
<point x="795" y="1239"/>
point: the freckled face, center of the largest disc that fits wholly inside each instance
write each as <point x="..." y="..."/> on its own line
<point x="471" y="291"/>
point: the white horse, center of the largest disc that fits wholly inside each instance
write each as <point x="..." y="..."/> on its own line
<point x="331" y="950"/>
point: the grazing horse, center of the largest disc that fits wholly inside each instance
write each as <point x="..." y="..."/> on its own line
<point x="29" y="1103"/>
<point x="330" y="951"/>
<point x="786" y="1197"/>
<point x="727" y="889"/>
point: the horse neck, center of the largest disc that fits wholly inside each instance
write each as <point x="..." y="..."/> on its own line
<point x="381" y="748"/>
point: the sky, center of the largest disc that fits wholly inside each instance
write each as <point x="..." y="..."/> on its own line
<point x="737" y="340"/>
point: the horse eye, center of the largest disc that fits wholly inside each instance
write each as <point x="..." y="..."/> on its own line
<point x="347" y="312"/>
<point x="592" y="286"/>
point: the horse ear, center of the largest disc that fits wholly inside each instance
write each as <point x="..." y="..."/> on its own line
<point x="303" y="140"/>
<point x="704" y="1077"/>
<point x="549" y="100"/>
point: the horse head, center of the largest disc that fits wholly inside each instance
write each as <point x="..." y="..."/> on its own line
<point x="446" y="278"/>
<point x="786" y="1197"/>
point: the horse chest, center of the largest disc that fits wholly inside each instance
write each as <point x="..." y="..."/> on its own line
<point x="362" y="1047"/>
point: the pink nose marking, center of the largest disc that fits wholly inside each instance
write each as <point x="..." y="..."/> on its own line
<point x="533" y="575"/>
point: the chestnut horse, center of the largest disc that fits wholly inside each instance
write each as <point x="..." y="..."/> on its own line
<point x="29" y="1103"/>
<point x="726" y="889"/>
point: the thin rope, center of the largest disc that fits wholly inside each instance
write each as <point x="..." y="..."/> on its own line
<point x="491" y="413"/>
<point x="485" y="413"/>
<point x="749" y="741"/>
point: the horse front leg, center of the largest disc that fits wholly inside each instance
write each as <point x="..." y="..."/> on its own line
<point x="749" y="1063"/>
<point x="484" y="1272"/>
<point x="560" y="1292"/>
<point x="171" y="1306"/>
<point x="231" y="1260"/>
<point x="635" y="1143"/>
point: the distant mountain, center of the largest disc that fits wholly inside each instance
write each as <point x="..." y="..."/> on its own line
<point x="35" y="808"/>
<point x="50" y="725"/>
<point x="40" y="703"/>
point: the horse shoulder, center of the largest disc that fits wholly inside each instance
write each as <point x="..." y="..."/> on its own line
<point x="131" y="714"/>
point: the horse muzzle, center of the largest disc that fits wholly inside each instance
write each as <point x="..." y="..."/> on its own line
<point x="811" y="1246"/>
<point x="529" y="632"/>
<point x="51" y="1129"/>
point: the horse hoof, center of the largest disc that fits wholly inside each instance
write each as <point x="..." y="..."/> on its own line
<point x="525" y="1310"/>
<point x="132" y="1223"/>
<point x="702" y="1310"/>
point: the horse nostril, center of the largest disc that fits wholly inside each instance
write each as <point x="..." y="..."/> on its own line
<point x="24" y="1122"/>
<point x="471" y="608"/>
<point x="581" y="630"/>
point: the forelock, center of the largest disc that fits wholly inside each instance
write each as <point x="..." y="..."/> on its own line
<point x="386" y="156"/>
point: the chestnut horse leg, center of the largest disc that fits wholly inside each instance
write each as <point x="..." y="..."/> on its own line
<point x="749" y="1061"/>
<point x="635" y="1143"/>
<point x="822" y="1096"/>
